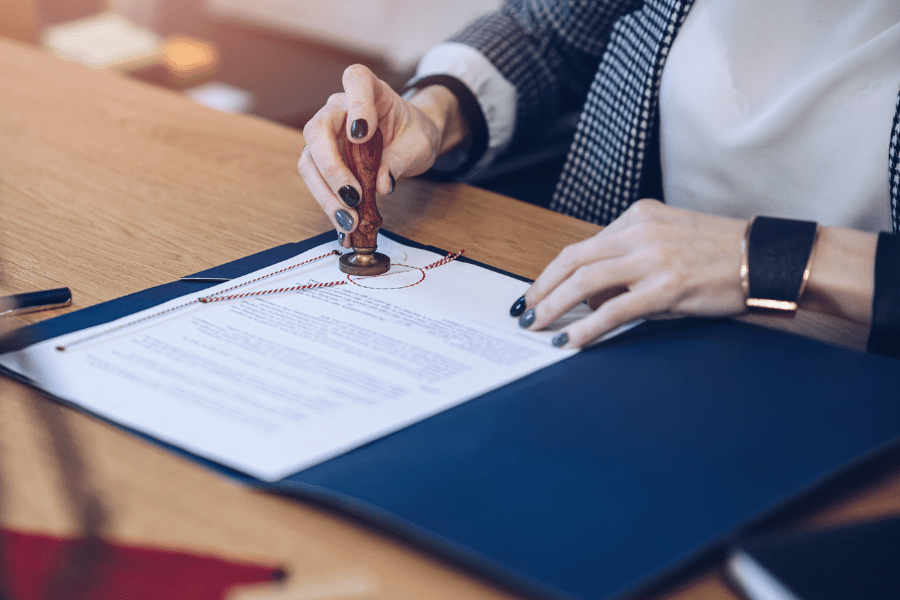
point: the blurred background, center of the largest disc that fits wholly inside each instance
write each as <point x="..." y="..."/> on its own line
<point x="277" y="59"/>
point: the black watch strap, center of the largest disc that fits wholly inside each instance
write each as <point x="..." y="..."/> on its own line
<point x="778" y="256"/>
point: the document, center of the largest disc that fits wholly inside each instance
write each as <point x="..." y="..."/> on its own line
<point x="272" y="383"/>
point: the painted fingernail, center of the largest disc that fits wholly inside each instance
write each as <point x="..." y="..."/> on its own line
<point x="518" y="307"/>
<point x="393" y="182"/>
<point x="560" y="339"/>
<point x="341" y="236"/>
<point x="344" y="219"/>
<point x="358" y="129"/>
<point x="527" y="319"/>
<point x="349" y="195"/>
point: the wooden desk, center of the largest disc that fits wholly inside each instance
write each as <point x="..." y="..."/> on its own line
<point x="109" y="186"/>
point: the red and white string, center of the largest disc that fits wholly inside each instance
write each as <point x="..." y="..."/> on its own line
<point x="220" y="297"/>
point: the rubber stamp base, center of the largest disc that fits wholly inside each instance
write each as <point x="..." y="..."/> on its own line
<point x="364" y="262"/>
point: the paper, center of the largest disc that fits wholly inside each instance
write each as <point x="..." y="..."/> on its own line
<point x="104" y="40"/>
<point x="274" y="384"/>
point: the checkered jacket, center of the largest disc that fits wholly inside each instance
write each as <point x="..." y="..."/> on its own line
<point x="607" y="57"/>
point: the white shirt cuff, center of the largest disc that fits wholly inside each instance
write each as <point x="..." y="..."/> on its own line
<point x="495" y="94"/>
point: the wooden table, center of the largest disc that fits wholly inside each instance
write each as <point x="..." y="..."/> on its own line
<point x="109" y="186"/>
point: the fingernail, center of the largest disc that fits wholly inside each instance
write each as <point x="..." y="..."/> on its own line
<point x="393" y="182"/>
<point x="341" y="236"/>
<point x="344" y="219"/>
<point x="518" y="307"/>
<point x="358" y="129"/>
<point x="527" y="319"/>
<point x="560" y="339"/>
<point x="349" y="195"/>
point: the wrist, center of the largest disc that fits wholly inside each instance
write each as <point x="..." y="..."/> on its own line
<point x="463" y="128"/>
<point x="841" y="280"/>
<point x="442" y="108"/>
<point x="828" y="270"/>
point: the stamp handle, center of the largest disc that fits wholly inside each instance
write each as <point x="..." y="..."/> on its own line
<point x="364" y="160"/>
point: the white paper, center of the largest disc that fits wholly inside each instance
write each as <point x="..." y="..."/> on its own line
<point x="275" y="384"/>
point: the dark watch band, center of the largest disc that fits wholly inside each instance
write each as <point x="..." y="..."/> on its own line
<point x="884" y="337"/>
<point x="470" y="109"/>
<point x="778" y="254"/>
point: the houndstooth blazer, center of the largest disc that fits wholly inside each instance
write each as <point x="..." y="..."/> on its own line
<point x="607" y="57"/>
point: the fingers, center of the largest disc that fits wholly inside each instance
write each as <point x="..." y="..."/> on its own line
<point x="618" y="238"/>
<point x="386" y="182"/>
<point x="394" y="163"/>
<point x="603" y="246"/>
<point x="627" y="294"/>
<point x="653" y="261"/>
<point x="411" y="139"/>
<point x="348" y="117"/>
<point x="585" y="282"/>
<point x="342" y="217"/>
<point x="362" y="117"/>
<point x="614" y="313"/>
<point x="412" y="144"/>
<point x="413" y="149"/>
<point x="322" y="165"/>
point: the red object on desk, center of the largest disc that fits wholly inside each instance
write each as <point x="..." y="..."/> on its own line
<point x="31" y="563"/>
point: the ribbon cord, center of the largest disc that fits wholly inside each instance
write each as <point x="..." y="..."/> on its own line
<point x="221" y="297"/>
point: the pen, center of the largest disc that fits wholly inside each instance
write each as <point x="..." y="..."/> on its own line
<point x="18" y="304"/>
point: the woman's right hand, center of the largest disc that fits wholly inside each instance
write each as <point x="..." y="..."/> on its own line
<point x="414" y="132"/>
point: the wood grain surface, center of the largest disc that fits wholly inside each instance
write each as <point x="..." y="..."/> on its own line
<point x="109" y="186"/>
<point x="364" y="161"/>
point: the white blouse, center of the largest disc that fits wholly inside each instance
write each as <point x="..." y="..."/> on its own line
<point x="782" y="108"/>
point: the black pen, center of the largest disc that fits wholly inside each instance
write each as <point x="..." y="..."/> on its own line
<point x="18" y="304"/>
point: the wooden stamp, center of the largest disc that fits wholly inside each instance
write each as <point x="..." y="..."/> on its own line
<point x="364" y="160"/>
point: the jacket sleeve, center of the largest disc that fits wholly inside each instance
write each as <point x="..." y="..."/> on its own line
<point x="548" y="50"/>
<point x="885" y="335"/>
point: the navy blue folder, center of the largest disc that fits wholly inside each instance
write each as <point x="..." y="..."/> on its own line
<point x="861" y="560"/>
<point x="617" y="471"/>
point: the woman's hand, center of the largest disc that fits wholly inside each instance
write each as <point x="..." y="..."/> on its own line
<point x="415" y="134"/>
<point x="654" y="261"/>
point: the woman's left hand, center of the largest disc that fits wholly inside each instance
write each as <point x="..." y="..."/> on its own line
<point x="654" y="261"/>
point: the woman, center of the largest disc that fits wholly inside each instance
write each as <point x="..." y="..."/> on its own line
<point x="726" y="108"/>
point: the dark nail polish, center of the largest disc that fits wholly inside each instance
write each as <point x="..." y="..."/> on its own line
<point x="344" y="219"/>
<point x="341" y="236"/>
<point x="518" y="307"/>
<point x="393" y="182"/>
<point x="358" y="129"/>
<point x="560" y="339"/>
<point x="349" y="195"/>
<point x="527" y="319"/>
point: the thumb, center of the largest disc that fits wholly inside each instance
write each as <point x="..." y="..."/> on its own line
<point x="405" y="156"/>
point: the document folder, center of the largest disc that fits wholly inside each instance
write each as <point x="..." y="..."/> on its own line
<point x="828" y="563"/>
<point x="613" y="472"/>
